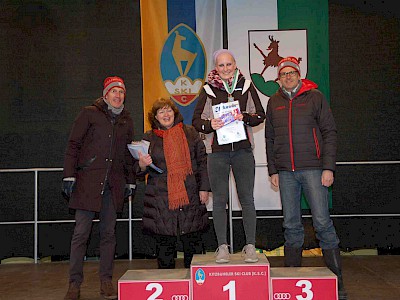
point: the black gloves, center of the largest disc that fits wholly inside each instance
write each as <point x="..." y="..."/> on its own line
<point x="130" y="190"/>
<point x="67" y="187"/>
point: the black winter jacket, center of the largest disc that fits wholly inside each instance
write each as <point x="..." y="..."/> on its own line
<point x="157" y="217"/>
<point x="300" y="132"/>
<point x="250" y="106"/>
<point x="97" y="152"/>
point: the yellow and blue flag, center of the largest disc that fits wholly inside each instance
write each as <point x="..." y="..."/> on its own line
<point x="178" y="39"/>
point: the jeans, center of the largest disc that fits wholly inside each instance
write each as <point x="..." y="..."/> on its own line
<point x="83" y="227"/>
<point x="243" y="167"/>
<point x="291" y="184"/>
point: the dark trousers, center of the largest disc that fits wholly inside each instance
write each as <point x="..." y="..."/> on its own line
<point x="167" y="247"/>
<point x="243" y="168"/>
<point x="83" y="227"/>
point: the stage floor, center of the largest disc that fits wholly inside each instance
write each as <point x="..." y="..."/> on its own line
<point x="366" y="277"/>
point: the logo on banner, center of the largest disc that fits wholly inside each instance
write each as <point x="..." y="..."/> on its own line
<point x="267" y="48"/>
<point x="200" y="276"/>
<point x="183" y="64"/>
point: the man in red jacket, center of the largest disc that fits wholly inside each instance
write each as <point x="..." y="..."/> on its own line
<point x="98" y="175"/>
<point x="300" y="137"/>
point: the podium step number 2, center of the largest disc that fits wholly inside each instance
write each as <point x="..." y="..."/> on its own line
<point x="154" y="285"/>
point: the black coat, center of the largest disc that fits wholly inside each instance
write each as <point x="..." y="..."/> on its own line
<point x="301" y="132"/>
<point x="97" y="152"/>
<point x="250" y="106"/>
<point x="157" y="217"/>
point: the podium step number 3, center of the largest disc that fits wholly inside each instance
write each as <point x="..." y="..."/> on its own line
<point x="307" y="283"/>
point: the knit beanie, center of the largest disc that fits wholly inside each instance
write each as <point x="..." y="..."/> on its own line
<point x="289" y="61"/>
<point x="219" y="52"/>
<point x="111" y="82"/>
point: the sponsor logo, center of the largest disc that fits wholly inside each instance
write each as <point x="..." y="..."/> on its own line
<point x="200" y="276"/>
<point x="179" y="297"/>
<point x="183" y="64"/>
<point x="281" y="296"/>
<point x="267" y="48"/>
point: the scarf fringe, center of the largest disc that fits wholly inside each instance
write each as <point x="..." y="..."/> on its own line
<point x="177" y="194"/>
<point x="179" y="165"/>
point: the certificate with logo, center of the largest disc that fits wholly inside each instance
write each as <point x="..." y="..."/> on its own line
<point x="233" y="130"/>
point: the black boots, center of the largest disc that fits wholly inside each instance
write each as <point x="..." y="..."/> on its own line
<point x="293" y="256"/>
<point x="333" y="262"/>
<point x="187" y="259"/>
<point x="166" y="262"/>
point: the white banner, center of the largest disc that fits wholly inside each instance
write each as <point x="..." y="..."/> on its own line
<point x="242" y="17"/>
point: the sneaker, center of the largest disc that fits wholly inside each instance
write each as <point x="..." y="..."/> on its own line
<point x="107" y="290"/>
<point x="222" y="254"/>
<point x="74" y="291"/>
<point x="249" y="253"/>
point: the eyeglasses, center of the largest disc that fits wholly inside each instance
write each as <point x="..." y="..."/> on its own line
<point x="290" y="73"/>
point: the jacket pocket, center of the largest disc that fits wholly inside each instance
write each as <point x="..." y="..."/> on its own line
<point x="316" y="143"/>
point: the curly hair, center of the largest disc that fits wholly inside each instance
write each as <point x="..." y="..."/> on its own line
<point x="158" y="104"/>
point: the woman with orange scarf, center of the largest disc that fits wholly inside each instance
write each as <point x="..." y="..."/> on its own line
<point x="174" y="201"/>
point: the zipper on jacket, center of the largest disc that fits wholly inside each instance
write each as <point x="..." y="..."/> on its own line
<point x="290" y="134"/>
<point x="109" y="162"/>
<point x="316" y="143"/>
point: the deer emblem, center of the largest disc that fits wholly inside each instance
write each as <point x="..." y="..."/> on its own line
<point x="273" y="58"/>
<point x="179" y="54"/>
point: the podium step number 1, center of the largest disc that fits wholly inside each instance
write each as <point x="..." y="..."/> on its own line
<point x="232" y="281"/>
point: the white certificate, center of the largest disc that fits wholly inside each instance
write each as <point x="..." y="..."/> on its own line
<point x="141" y="146"/>
<point x="233" y="130"/>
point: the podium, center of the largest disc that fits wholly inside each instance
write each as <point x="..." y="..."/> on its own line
<point x="154" y="284"/>
<point x="303" y="283"/>
<point x="236" y="280"/>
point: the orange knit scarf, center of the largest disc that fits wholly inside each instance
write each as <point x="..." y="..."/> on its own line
<point x="177" y="158"/>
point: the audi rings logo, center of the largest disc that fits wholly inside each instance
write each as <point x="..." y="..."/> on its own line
<point x="281" y="296"/>
<point x="180" y="297"/>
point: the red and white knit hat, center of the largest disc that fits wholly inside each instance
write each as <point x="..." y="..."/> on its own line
<point x="111" y="82"/>
<point x="289" y="61"/>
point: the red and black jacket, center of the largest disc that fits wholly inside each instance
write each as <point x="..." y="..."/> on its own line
<point x="300" y="133"/>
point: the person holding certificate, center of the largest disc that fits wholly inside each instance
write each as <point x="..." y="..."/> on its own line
<point x="228" y="89"/>
<point x="174" y="201"/>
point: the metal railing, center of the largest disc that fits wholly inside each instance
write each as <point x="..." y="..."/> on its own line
<point x="36" y="222"/>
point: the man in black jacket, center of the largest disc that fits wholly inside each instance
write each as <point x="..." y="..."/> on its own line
<point x="99" y="173"/>
<point x="300" y="134"/>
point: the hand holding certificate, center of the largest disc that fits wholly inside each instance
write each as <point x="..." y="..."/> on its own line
<point x="143" y="147"/>
<point x="233" y="130"/>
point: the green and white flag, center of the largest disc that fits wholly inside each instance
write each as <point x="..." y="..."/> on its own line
<point x="260" y="32"/>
